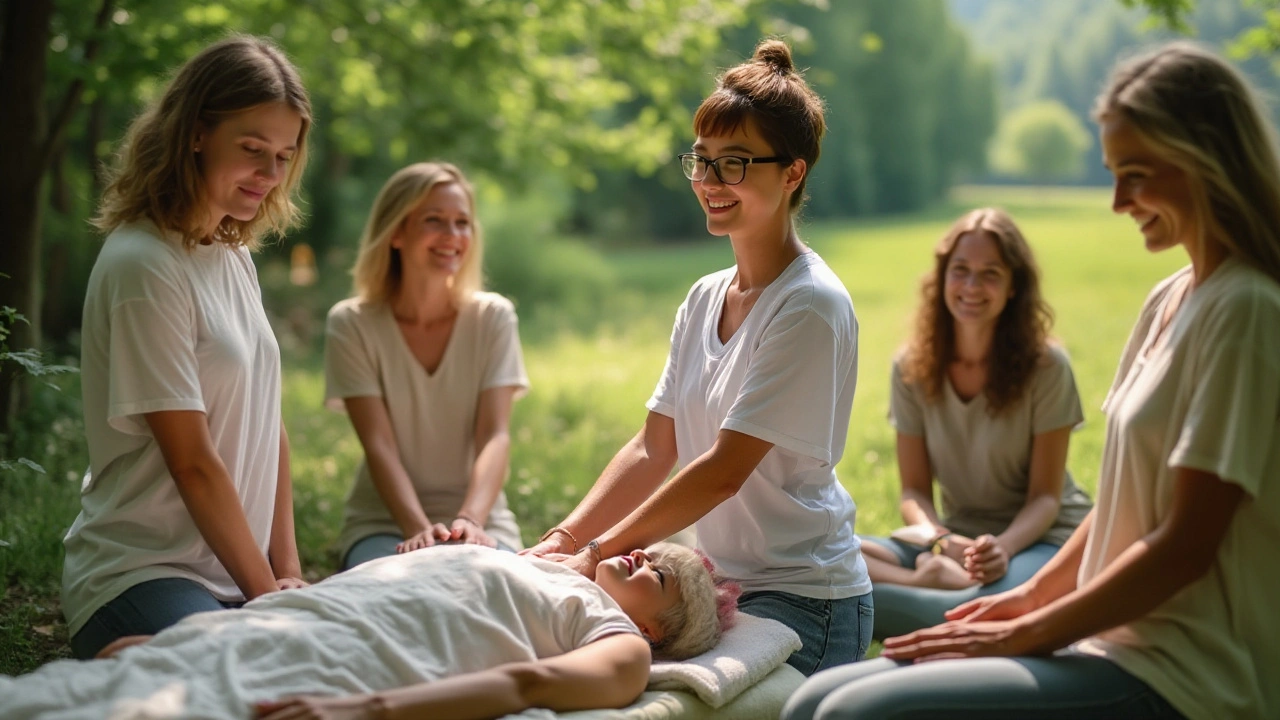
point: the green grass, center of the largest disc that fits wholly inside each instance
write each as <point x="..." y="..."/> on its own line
<point x="592" y="376"/>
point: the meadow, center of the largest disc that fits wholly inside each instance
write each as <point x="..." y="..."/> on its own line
<point x="593" y="358"/>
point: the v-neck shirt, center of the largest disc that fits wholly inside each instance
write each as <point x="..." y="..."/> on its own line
<point x="786" y="376"/>
<point x="433" y="414"/>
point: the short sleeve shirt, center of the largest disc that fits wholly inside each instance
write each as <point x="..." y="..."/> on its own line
<point x="433" y="415"/>
<point x="168" y="328"/>
<point x="982" y="461"/>
<point x="1206" y="396"/>
<point x="787" y="376"/>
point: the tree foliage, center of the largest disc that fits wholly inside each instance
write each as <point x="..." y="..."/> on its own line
<point x="1041" y="141"/>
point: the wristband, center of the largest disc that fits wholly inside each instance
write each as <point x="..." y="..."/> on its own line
<point x="558" y="529"/>
<point x="593" y="546"/>
<point x="468" y="518"/>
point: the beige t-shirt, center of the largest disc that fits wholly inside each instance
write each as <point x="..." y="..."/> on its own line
<point x="1207" y="397"/>
<point x="433" y="414"/>
<point x="983" y="462"/>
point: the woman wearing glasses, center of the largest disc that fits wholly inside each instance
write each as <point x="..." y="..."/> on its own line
<point x="754" y="401"/>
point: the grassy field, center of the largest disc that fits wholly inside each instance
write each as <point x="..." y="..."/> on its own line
<point x="590" y="383"/>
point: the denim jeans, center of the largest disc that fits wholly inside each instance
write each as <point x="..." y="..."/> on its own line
<point x="1066" y="686"/>
<point x="833" y="632"/>
<point x="381" y="545"/>
<point x="144" y="609"/>
<point x="901" y="609"/>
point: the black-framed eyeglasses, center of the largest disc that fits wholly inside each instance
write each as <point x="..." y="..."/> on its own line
<point x="731" y="169"/>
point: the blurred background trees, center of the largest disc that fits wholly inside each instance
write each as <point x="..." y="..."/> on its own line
<point x="567" y="114"/>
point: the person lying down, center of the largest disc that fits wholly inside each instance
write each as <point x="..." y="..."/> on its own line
<point x="451" y="632"/>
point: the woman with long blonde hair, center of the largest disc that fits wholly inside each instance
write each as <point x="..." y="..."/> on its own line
<point x="187" y="504"/>
<point x="427" y="366"/>
<point x="1162" y="603"/>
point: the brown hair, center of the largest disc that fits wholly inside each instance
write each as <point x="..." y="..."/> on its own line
<point x="157" y="174"/>
<point x="768" y="89"/>
<point x="378" y="271"/>
<point x="1201" y="115"/>
<point x="1022" y="330"/>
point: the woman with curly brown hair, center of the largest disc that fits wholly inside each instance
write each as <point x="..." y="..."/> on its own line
<point x="985" y="403"/>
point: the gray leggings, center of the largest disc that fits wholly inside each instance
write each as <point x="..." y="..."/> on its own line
<point x="1066" y="686"/>
<point x="901" y="609"/>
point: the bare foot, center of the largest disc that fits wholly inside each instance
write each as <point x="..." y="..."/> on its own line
<point x="941" y="572"/>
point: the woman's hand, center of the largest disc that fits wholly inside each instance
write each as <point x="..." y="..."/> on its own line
<point x="583" y="563"/>
<point x="986" y="560"/>
<point x="291" y="583"/>
<point x="954" y="546"/>
<point x="1001" y="638"/>
<point x="1003" y="606"/>
<point x="114" y="647"/>
<point x="557" y="543"/>
<point x="467" y="531"/>
<point x="425" y="539"/>
<point x="353" y="707"/>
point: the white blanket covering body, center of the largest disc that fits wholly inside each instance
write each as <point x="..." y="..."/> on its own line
<point x="389" y="623"/>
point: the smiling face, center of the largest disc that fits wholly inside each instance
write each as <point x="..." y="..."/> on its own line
<point x="642" y="589"/>
<point x="436" y="234"/>
<point x="978" y="282"/>
<point x="1154" y="192"/>
<point x="761" y="199"/>
<point x="243" y="158"/>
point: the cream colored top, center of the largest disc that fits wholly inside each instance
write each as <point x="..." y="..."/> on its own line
<point x="168" y="328"/>
<point x="1206" y="397"/>
<point x="982" y="461"/>
<point x="433" y="414"/>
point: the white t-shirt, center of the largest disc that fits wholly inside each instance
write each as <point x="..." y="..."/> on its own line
<point x="1208" y="398"/>
<point x="433" y="415"/>
<point x="786" y="376"/>
<point x="388" y="623"/>
<point x="166" y="328"/>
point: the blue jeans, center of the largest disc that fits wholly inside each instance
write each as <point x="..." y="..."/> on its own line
<point x="901" y="609"/>
<point x="1066" y="686"/>
<point x="834" y="632"/>
<point x="381" y="545"/>
<point x="144" y="609"/>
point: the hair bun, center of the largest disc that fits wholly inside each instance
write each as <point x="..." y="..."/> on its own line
<point x="776" y="54"/>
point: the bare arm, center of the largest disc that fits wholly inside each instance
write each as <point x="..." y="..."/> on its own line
<point x="210" y="497"/>
<point x="283" y="550"/>
<point x="712" y="478"/>
<point x="988" y="559"/>
<point x="373" y="427"/>
<point x="493" y="454"/>
<point x="608" y="673"/>
<point x="916" y="475"/>
<point x="631" y="476"/>
<point x="1177" y="552"/>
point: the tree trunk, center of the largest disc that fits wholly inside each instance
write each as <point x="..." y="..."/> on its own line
<point x="22" y="125"/>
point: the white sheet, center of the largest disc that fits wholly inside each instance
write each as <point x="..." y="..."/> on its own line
<point x="390" y="623"/>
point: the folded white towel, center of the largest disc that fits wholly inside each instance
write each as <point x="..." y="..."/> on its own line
<point x="750" y="650"/>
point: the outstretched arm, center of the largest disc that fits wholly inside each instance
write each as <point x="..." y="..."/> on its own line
<point x="608" y="673"/>
<point x="210" y="497"/>
<point x="373" y="427"/>
<point x="1177" y="552"/>
<point x="493" y="455"/>
<point x="629" y="479"/>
